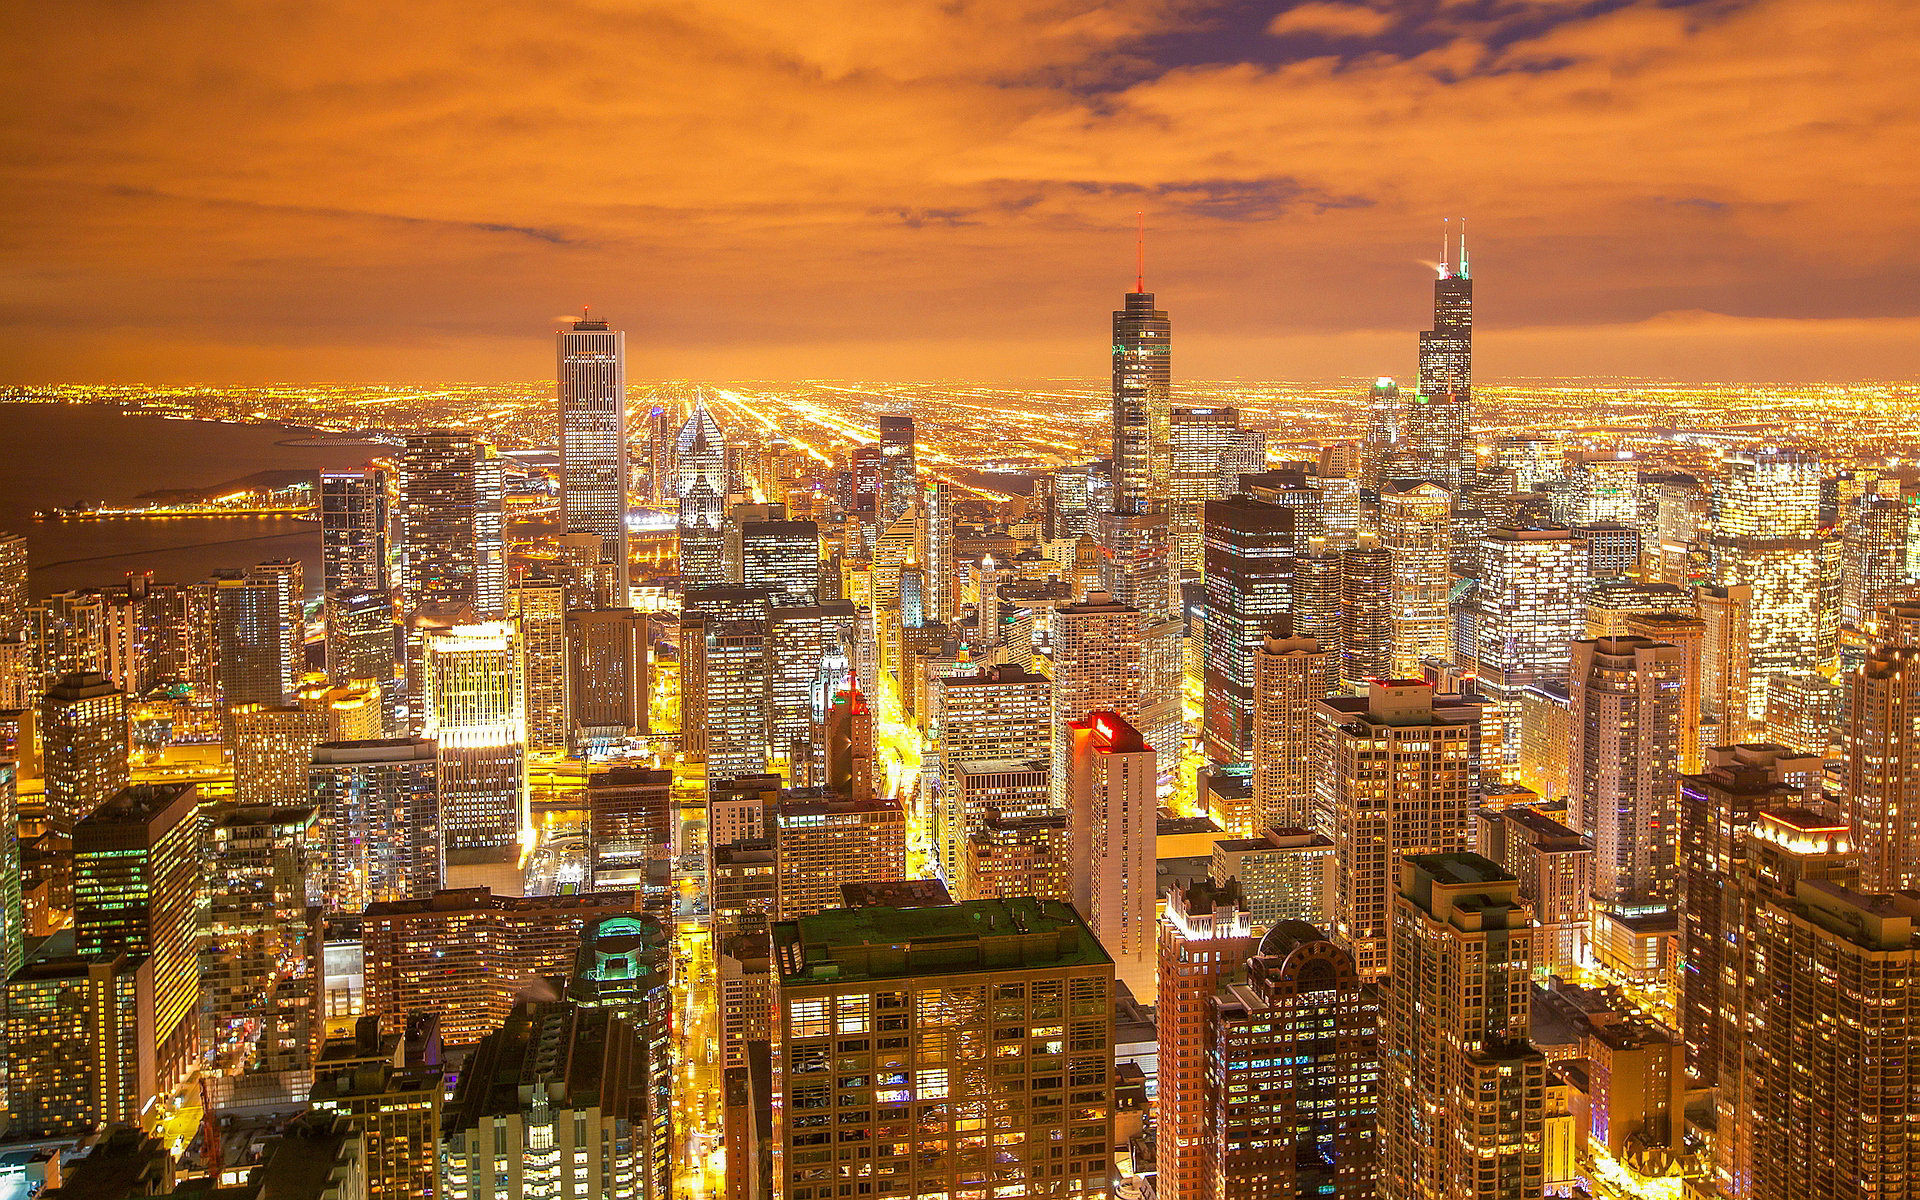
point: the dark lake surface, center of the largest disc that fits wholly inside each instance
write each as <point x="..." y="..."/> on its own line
<point x="62" y="455"/>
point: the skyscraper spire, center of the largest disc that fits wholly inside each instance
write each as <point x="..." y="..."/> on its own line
<point x="1140" y="254"/>
<point x="1464" y="273"/>
<point x="1446" y="247"/>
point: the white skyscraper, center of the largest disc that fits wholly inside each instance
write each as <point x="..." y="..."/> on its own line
<point x="593" y="435"/>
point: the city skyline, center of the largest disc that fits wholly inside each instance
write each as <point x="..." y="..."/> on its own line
<point x="1416" y="782"/>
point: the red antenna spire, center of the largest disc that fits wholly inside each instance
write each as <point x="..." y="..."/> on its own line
<point x="1140" y="254"/>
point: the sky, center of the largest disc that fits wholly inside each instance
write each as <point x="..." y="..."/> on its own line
<point x="238" y="191"/>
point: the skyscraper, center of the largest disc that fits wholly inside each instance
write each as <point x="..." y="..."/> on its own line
<point x="1414" y="528"/>
<point x="1529" y="607"/>
<point x="1726" y="662"/>
<point x="453" y="523"/>
<point x="465" y="954"/>
<point x="1757" y="1085"/>
<point x="630" y="822"/>
<point x="782" y="556"/>
<point x="1249" y="582"/>
<point x="1096" y="668"/>
<point x="1001" y="713"/>
<point x="607" y="660"/>
<point x="1142" y="401"/>
<point x="586" y="1119"/>
<point x="1383" y="431"/>
<point x="1315" y="602"/>
<point x="360" y="636"/>
<point x="592" y="359"/>
<point x="1883" y="768"/>
<point x="1767" y="535"/>
<point x="1366" y="612"/>
<point x="1291" y="676"/>
<point x="1716" y="808"/>
<point x="261" y="966"/>
<point x="899" y="482"/>
<point x="13" y="585"/>
<point x="1438" y="423"/>
<point x="1205" y="936"/>
<point x="1832" y="1099"/>
<point x="1401" y="775"/>
<point x="1624" y="764"/>
<point x="822" y="842"/>
<point x="84" y="741"/>
<point x="539" y="604"/>
<point x="473" y="712"/>
<point x="1462" y="1090"/>
<point x="353" y="529"/>
<point x="701" y="485"/>
<point x="260" y="644"/>
<point x="1293" y="1073"/>
<point x="377" y="808"/>
<point x="1198" y="438"/>
<point x="1112" y="820"/>
<point x="136" y="887"/>
<point x="1873" y="557"/>
<point x="79" y="1044"/>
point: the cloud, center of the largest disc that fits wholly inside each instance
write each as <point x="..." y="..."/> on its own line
<point x="1331" y="21"/>
<point x="345" y="182"/>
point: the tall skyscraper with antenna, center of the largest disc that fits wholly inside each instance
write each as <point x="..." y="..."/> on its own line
<point x="593" y="435"/>
<point x="1437" y="424"/>
<point x="1142" y="395"/>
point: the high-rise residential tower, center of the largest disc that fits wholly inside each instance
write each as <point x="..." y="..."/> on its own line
<point x="846" y="975"/>
<point x="84" y="743"/>
<point x="377" y="808"/>
<point x="453" y="523"/>
<point x="1625" y="695"/>
<point x="1415" y="529"/>
<point x="1112" y="820"/>
<point x="1401" y="772"/>
<point x="1462" y="1091"/>
<point x="1205" y="936"/>
<point x="1291" y="676"/>
<point x="1096" y="667"/>
<point x="1767" y="535"/>
<point x="353" y="529"/>
<point x="593" y="437"/>
<point x="1882" y="778"/>
<point x="1366" y="612"/>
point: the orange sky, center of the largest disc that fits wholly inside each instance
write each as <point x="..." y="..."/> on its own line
<point x="246" y="190"/>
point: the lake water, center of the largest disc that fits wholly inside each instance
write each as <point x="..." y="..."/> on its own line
<point x="58" y="455"/>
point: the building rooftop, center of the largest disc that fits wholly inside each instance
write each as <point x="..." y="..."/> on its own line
<point x="482" y="899"/>
<point x="895" y="893"/>
<point x="968" y="938"/>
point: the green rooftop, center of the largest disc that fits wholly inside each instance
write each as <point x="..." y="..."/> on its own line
<point x="952" y="939"/>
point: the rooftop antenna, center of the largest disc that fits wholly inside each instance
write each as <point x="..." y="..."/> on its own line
<point x="1140" y="254"/>
<point x="1446" y="247"/>
<point x="1463" y="248"/>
